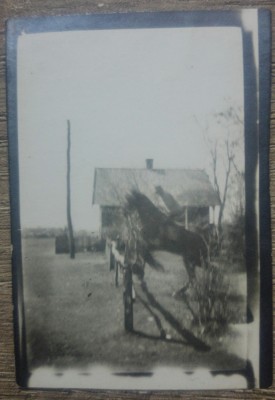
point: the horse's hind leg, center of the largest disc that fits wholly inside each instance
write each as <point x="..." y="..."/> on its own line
<point x="190" y="268"/>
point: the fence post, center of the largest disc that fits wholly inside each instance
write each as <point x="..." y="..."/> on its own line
<point x="128" y="299"/>
<point x="110" y="256"/>
<point x="116" y="273"/>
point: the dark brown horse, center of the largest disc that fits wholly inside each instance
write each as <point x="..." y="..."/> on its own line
<point x="159" y="232"/>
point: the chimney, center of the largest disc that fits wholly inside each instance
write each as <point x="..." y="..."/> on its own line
<point x="149" y="163"/>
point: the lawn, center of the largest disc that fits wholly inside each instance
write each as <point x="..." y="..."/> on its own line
<point x="74" y="316"/>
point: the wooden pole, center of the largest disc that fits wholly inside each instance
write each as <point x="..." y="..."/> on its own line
<point x="69" y="217"/>
<point x="116" y="273"/>
<point x="128" y="300"/>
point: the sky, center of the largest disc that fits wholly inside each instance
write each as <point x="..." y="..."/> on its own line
<point x="129" y="95"/>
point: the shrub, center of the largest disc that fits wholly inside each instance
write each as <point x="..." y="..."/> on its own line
<point x="211" y="299"/>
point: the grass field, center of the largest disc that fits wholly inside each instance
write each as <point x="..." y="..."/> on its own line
<point x="74" y="316"/>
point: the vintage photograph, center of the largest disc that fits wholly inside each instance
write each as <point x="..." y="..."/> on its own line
<point x="136" y="207"/>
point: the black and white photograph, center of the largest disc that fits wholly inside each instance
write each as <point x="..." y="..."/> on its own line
<point x="135" y="186"/>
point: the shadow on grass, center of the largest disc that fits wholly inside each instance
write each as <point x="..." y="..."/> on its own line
<point x="190" y="339"/>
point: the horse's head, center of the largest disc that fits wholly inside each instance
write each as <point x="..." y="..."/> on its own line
<point x="159" y="190"/>
<point x="148" y="212"/>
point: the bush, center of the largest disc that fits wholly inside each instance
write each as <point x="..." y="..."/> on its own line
<point x="211" y="299"/>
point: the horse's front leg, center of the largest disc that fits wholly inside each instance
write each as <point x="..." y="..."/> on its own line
<point x="190" y="268"/>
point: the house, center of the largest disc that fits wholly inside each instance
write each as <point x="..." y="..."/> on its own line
<point x="187" y="194"/>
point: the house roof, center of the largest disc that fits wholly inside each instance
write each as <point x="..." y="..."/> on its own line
<point x="185" y="186"/>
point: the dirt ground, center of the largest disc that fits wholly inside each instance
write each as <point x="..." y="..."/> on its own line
<point x="74" y="316"/>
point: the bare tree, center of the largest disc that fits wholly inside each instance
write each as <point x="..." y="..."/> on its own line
<point x="231" y="143"/>
<point x="69" y="217"/>
<point x="225" y="150"/>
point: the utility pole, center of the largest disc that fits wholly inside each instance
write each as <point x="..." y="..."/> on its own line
<point x="69" y="217"/>
<point x="128" y="293"/>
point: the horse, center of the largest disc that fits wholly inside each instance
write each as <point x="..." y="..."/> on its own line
<point x="159" y="232"/>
